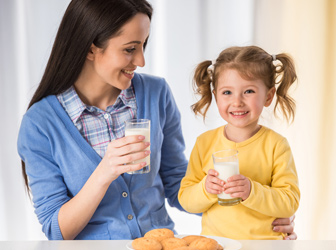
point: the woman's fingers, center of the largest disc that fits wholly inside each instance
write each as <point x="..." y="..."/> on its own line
<point x="286" y="226"/>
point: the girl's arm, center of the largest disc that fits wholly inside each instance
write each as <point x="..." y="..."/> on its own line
<point x="193" y="195"/>
<point x="281" y="198"/>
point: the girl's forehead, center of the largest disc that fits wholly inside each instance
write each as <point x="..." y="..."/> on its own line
<point x="233" y="78"/>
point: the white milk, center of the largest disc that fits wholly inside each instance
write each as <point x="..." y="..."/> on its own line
<point x="226" y="170"/>
<point x="140" y="131"/>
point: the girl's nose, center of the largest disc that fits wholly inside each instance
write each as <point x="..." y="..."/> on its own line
<point x="238" y="101"/>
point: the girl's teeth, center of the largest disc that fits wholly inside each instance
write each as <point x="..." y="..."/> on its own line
<point x="239" y="113"/>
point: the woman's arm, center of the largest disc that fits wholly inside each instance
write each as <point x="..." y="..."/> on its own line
<point x="77" y="212"/>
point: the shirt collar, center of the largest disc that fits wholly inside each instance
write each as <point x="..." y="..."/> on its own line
<point x="75" y="107"/>
<point x="72" y="104"/>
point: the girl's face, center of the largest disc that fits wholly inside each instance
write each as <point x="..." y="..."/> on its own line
<point x="239" y="101"/>
<point x="115" y="64"/>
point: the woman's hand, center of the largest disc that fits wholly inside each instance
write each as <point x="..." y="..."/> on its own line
<point x="286" y="226"/>
<point x="238" y="186"/>
<point x="213" y="185"/>
<point x="121" y="152"/>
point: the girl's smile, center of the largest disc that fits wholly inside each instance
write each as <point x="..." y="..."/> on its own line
<point x="240" y="102"/>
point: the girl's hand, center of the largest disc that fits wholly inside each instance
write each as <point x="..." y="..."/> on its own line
<point x="122" y="151"/>
<point x="213" y="185"/>
<point x="238" y="186"/>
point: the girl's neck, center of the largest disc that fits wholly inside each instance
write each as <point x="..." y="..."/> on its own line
<point x="237" y="135"/>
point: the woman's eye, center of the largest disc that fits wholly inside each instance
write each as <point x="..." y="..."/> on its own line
<point x="130" y="50"/>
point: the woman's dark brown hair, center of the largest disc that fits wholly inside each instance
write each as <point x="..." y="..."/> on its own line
<point x="85" y="22"/>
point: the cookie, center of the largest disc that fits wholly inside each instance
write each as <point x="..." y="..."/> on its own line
<point x="160" y="234"/>
<point x="185" y="248"/>
<point x="172" y="243"/>
<point x="204" y="244"/>
<point x="191" y="238"/>
<point x="146" y="244"/>
<point x="220" y="247"/>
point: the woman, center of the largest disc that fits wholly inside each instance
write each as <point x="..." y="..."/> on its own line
<point x="71" y="139"/>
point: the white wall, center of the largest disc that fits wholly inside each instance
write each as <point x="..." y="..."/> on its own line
<point x="184" y="32"/>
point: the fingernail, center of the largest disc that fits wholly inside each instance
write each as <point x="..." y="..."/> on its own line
<point x="147" y="152"/>
<point x="275" y="229"/>
<point x="141" y="137"/>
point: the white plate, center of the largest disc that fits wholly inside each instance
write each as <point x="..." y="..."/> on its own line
<point x="227" y="243"/>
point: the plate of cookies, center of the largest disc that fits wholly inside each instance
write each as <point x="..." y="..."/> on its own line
<point x="164" y="239"/>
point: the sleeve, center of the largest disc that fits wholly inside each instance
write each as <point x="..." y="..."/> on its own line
<point x="192" y="195"/>
<point x="46" y="183"/>
<point x="281" y="199"/>
<point x="173" y="161"/>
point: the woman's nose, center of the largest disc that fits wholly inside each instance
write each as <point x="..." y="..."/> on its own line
<point x="139" y="59"/>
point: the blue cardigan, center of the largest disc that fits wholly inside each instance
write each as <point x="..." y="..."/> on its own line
<point x="59" y="161"/>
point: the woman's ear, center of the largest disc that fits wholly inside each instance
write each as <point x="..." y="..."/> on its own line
<point x="91" y="54"/>
<point x="270" y="96"/>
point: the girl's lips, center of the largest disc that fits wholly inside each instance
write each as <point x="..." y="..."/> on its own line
<point x="239" y="113"/>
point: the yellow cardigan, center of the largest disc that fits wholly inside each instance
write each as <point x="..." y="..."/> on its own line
<point x="266" y="159"/>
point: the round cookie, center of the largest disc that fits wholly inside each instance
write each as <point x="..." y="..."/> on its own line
<point x="191" y="238"/>
<point x="146" y="244"/>
<point x="172" y="243"/>
<point x="185" y="248"/>
<point x="160" y="234"/>
<point x="204" y="244"/>
<point x="220" y="247"/>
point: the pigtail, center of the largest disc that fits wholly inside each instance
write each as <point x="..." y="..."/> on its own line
<point x="202" y="86"/>
<point x="285" y="77"/>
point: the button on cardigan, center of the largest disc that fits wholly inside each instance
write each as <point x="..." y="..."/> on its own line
<point x="59" y="161"/>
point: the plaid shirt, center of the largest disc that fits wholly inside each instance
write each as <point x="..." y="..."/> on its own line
<point x="97" y="126"/>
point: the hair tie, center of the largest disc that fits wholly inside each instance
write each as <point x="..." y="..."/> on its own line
<point x="274" y="57"/>
<point x="211" y="69"/>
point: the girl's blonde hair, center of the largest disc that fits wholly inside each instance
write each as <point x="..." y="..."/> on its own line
<point x="252" y="63"/>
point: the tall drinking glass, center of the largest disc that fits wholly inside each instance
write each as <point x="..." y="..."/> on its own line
<point x="226" y="164"/>
<point x="139" y="127"/>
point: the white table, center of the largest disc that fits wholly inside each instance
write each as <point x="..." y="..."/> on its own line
<point x="121" y="245"/>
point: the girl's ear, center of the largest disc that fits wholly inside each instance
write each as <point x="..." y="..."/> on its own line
<point x="270" y="96"/>
<point x="214" y="93"/>
<point x="91" y="54"/>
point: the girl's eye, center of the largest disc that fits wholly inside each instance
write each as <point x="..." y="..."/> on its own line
<point x="249" y="91"/>
<point x="227" y="92"/>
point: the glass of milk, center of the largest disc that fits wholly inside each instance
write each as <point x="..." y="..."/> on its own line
<point x="139" y="127"/>
<point x="226" y="164"/>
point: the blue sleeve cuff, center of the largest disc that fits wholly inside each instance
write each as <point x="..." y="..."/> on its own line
<point x="55" y="231"/>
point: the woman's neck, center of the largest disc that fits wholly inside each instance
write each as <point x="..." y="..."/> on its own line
<point x="237" y="135"/>
<point x="94" y="92"/>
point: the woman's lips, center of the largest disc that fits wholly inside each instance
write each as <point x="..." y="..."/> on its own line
<point x="128" y="73"/>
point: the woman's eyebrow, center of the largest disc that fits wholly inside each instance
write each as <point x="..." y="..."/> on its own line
<point x="137" y="42"/>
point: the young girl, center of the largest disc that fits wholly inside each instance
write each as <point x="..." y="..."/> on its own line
<point x="244" y="80"/>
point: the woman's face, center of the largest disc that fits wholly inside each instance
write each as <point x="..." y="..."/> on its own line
<point x="115" y="64"/>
